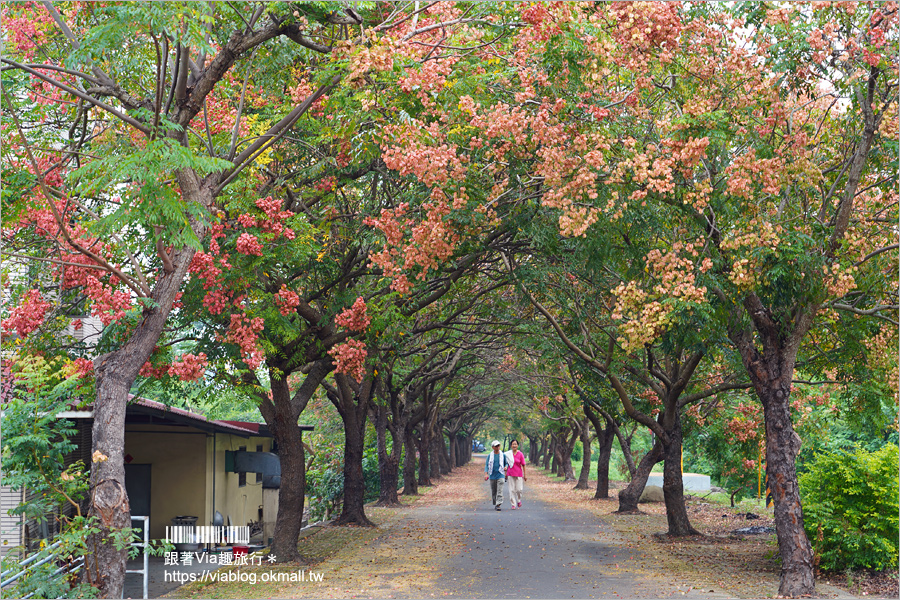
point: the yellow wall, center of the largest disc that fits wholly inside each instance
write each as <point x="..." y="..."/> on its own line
<point x="187" y="464"/>
<point x="177" y="472"/>
<point x="241" y="503"/>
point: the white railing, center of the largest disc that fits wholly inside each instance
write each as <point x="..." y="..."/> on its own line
<point x="39" y="558"/>
<point x="48" y="554"/>
<point x="145" y="545"/>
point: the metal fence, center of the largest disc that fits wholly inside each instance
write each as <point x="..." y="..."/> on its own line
<point x="50" y="553"/>
<point x="39" y="558"/>
<point x="145" y="545"/>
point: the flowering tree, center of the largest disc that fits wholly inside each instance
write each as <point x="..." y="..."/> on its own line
<point x="118" y="152"/>
<point x="756" y="134"/>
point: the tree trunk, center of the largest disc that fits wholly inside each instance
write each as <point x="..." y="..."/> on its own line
<point x="454" y="451"/>
<point x="410" y="483"/>
<point x="605" y="437"/>
<point x="424" y="444"/>
<point x="443" y="454"/>
<point x="388" y="462"/>
<point x="353" y="408"/>
<point x="109" y="501"/>
<point x="565" y="456"/>
<point x="115" y="373"/>
<point x="291" y="493"/>
<point x="771" y="373"/>
<point x="628" y="498"/>
<point x="542" y="452"/>
<point x="625" y="445"/>
<point x="585" y="431"/>
<point x="281" y="413"/>
<point x="673" y="485"/>
<point x="548" y="455"/>
<point x="782" y="447"/>
<point x="436" y="466"/>
<point x="353" y="512"/>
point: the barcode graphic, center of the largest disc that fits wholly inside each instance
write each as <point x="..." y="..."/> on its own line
<point x="207" y="534"/>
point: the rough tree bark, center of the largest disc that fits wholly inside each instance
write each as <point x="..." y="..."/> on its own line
<point x="548" y="455"/>
<point x="628" y="498"/>
<point x="564" y="452"/>
<point x="443" y="454"/>
<point x="410" y="481"/>
<point x="771" y="373"/>
<point x="605" y="437"/>
<point x="673" y="485"/>
<point x="352" y="405"/>
<point x="770" y="366"/>
<point x="585" y="435"/>
<point x="115" y="372"/>
<point x="281" y="414"/>
<point x="388" y="462"/>
<point x="532" y="449"/>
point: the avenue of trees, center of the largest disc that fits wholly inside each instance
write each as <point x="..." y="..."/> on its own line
<point x="577" y="222"/>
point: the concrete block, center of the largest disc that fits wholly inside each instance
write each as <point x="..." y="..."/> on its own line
<point x="693" y="482"/>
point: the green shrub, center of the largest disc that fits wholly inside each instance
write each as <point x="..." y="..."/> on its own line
<point x="850" y="508"/>
<point x="577" y="452"/>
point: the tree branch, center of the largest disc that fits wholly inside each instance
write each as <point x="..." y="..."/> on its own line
<point x="79" y="94"/>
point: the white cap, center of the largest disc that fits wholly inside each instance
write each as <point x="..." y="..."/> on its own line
<point x="495" y="443"/>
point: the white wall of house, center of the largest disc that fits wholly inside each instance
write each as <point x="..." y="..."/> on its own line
<point x="10" y="526"/>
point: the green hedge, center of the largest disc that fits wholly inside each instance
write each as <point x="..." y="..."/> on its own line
<point x="850" y="508"/>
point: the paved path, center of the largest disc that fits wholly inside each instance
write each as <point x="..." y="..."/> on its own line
<point x="539" y="551"/>
<point x="453" y="544"/>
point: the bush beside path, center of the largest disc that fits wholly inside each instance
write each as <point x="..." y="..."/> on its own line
<point x="450" y="543"/>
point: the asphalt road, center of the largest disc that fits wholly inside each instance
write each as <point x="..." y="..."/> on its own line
<point x="540" y="551"/>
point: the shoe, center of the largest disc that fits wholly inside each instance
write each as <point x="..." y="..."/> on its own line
<point x="513" y="507"/>
<point x="496" y="508"/>
<point x="520" y="505"/>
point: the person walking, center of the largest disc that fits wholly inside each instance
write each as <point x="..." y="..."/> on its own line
<point x="515" y="475"/>
<point x="495" y="469"/>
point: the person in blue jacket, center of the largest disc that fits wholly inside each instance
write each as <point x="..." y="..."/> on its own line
<point x="495" y="470"/>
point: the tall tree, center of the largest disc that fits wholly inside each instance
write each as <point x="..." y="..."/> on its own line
<point x="132" y="143"/>
<point x="766" y="152"/>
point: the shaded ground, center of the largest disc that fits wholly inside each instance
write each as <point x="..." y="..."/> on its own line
<point x="741" y="566"/>
<point x="562" y="544"/>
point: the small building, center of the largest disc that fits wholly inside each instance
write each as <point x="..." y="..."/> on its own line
<point x="177" y="464"/>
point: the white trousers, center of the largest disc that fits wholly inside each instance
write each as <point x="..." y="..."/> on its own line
<point x="516" y="487"/>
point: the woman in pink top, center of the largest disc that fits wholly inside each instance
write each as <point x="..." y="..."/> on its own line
<point x="515" y="475"/>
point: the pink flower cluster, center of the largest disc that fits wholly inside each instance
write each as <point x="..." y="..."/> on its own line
<point x="27" y="28"/>
<point x="108" y="304"/>
<point x="350" y="358"/>
<point x="644" y="29"/>
<point x="248" y="244"/>
<point x="749" y="171"/>
<point x="29" y="315"/>
<point x="742" y="429"/>
<point x="286" y="300"/>
<point x="432" y="165"/>
<point x="272" y="208"/>
<point x="189" y="368"/>
<point x="676" y="272"/>
<point x="204" y="266"/>
<point x="243" y="332"/>
<point x="354" y="318"/>
<point x="430" y="242"/>
<point x="83" y="367"/>
<point x="151" y="371"/>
